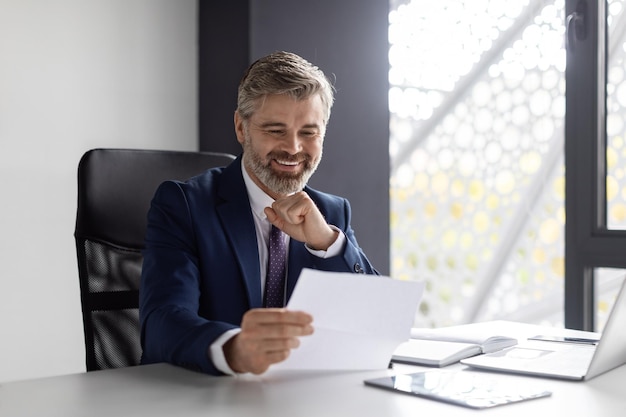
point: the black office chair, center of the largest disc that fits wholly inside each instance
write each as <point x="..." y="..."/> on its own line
<point x="115" y="187"/>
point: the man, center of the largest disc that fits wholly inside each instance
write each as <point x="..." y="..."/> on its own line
<point x="205" y="279"/>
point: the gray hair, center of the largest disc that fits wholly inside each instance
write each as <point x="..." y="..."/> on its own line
<point x="282" y="73"/>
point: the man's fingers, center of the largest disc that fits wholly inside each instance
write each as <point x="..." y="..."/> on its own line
<point x="272" y="217"/>
<point x="290" y="210"/>
<point x="278" y="345"/>
<point x="259" y="367"/>
<point x="278" y="331"/>
<point x="294" y="208"/>
<point x="277" y="356"/>
<point x="277" y="316"/>
<point x="267" y="336"/>
<point x="298" y="216"/>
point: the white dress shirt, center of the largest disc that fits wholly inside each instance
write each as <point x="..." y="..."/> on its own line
<point x="258" y="201"/>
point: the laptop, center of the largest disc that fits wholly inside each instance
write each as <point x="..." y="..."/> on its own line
<point x="577" y="359"/>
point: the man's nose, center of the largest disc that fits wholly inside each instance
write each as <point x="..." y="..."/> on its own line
<point x="292" y="143"/>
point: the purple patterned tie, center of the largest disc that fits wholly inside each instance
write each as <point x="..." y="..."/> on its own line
<point x="275" y="281"/>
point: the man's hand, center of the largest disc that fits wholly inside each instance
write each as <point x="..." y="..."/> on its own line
<point x="267" y="337"/>
<point x="298" y="216"/>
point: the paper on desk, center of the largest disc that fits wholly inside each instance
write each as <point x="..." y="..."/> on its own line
<point x="359" y="320"/>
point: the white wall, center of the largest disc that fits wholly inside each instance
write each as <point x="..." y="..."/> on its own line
<point x="75" y="75"/>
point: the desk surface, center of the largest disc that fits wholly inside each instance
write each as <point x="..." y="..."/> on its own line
<point x="165" y="390"/>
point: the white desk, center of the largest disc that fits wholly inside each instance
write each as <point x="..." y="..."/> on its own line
<point x="165" y="390"/>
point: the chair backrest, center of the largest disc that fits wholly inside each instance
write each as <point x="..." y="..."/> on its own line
<point x="115" y="188"/>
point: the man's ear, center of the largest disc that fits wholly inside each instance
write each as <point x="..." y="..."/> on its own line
<point x="239" y="128"/>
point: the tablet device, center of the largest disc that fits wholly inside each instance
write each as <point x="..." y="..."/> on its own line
<point x="464" y="388"/>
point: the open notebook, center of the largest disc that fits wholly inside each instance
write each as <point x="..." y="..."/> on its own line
<point x="575" y="361"/>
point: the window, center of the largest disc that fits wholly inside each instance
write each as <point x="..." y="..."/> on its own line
<point x="477" y="102"/>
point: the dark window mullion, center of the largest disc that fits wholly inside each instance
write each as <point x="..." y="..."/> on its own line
<point x="585" y="155"/>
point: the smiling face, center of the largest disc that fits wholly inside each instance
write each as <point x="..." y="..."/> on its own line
<point x="282" y="142"/>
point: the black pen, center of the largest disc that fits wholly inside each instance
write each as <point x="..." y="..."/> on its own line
<point x="565" y="339"/>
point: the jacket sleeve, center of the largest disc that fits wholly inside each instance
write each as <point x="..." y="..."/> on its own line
<point x="352" y="259"/>
<point x="171" y="328"/>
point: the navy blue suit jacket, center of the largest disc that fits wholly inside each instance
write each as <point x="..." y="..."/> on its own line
<point x="201" y="269"/>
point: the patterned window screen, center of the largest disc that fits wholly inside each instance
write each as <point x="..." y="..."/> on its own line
<point x="477" y="103"/>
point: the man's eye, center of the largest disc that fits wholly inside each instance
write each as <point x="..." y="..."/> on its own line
<point x="275" y="132"/>
<point x="309" y="134"/>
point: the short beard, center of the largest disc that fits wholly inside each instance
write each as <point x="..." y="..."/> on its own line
<point x="281" y="183"/>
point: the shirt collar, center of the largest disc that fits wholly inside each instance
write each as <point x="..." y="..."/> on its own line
<point x="258" y="198"/>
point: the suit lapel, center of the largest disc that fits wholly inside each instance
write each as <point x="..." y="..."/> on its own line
<point x="236" y="218"/>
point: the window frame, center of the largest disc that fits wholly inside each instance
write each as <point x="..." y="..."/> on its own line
<point x="589" y="244"/>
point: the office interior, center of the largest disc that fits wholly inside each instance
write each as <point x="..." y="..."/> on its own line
<point x="158" y="74"/>
<point x="77" y="75"/>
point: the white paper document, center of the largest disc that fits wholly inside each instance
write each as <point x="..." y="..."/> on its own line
<point x="359" y="320"/>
